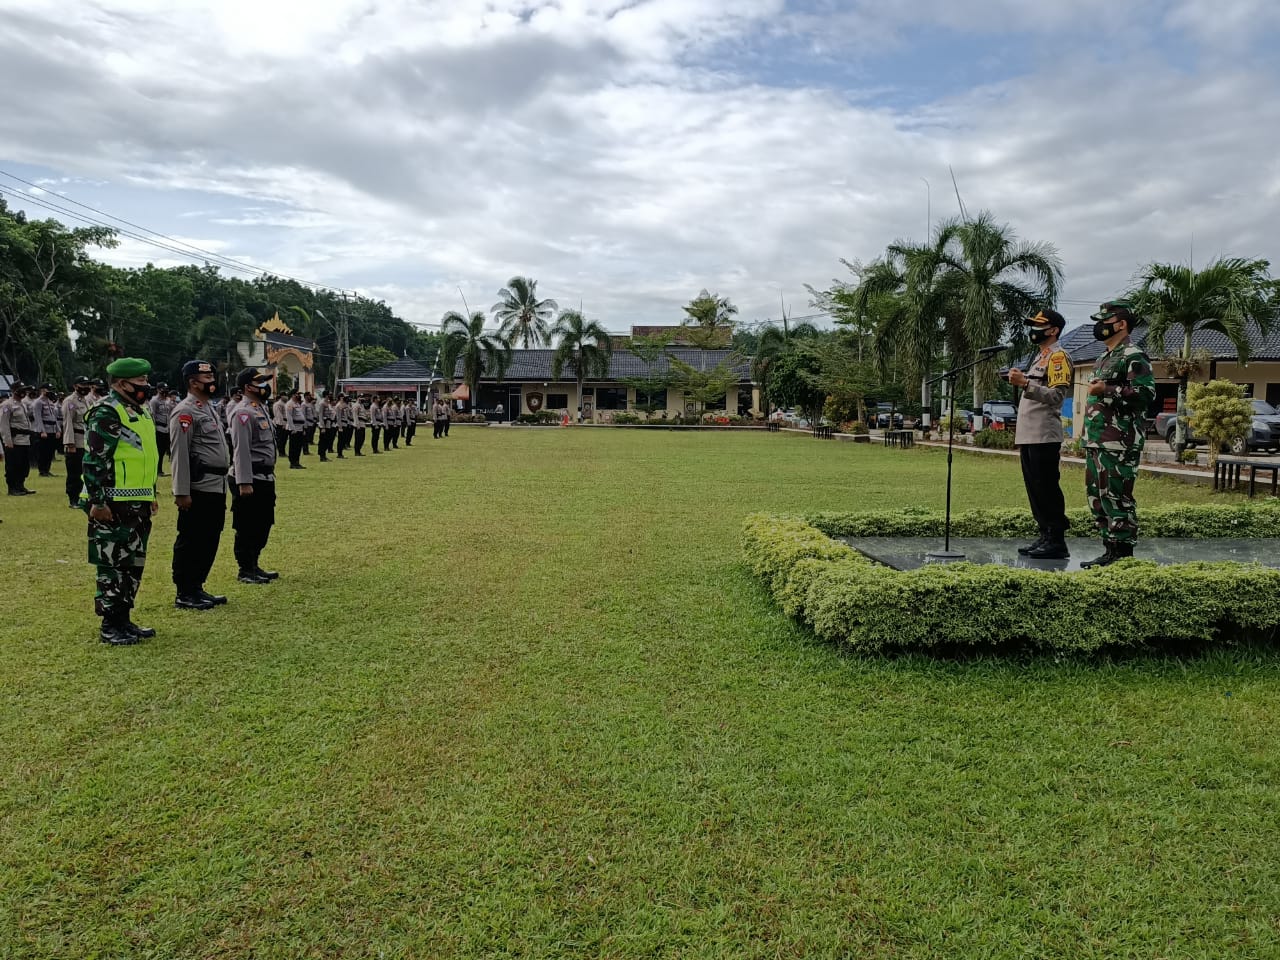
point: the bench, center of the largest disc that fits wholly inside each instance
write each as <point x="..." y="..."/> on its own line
<point x="1227" y="474"/>
<point x="822" y="431"/>
<point x="774" y="426"/>
<point x="899" y="438"/>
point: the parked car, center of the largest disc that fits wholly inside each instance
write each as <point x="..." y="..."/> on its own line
<point x="883" y="411"/>
<point x="1264" y="430"/>
<point x="1000" y="414"/>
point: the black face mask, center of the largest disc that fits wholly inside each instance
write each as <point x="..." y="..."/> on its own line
<point x="139" y="393"/>
<point x="1105" y="329"/>
<point x="1040" y="336"/>
<point x="82" y="391"/>
<point x="264" y="390"/>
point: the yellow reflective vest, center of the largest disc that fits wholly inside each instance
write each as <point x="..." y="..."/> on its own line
<point x="135" y="462"/>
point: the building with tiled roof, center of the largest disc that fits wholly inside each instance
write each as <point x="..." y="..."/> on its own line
<point x="404" y="377"/>
<point x="275" y="348"/>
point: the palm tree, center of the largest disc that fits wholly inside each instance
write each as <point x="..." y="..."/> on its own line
<point x="774" y="343"/>
<point x="1229" y="296"/>
<point x="465" y="338"/>
<point x="584" y="345"/>
<point x="521" y="315"/>
<point x="218" y="337"/>
<point x="993" y="282"/>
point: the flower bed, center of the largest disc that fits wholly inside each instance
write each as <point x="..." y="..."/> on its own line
<point x="845" y="597"/>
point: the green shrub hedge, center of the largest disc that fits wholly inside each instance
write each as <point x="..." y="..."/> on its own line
<point x="1199" y="521"/>
<point x="994" y="439"/>
<point x="844" y="597"/>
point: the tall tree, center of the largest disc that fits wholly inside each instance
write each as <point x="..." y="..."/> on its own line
<point x="648" y="350"/>
<point x="217" y="337"/>
<point x="1229" y="296"/>
<point x="521" y="316"/>
<point x="582" y="345"/>
<point x="709" y="321"/>
<point x="774" y="342"/>
<point x="994" y="281"/>
<point x="480" y="351"/>
<point x="365" y="358"/>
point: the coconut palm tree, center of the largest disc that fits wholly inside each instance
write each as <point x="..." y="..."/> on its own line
<point x="775" y="341"/>
<point x="583" y="345"/>
<point x="994" y="281"/>
<point x="465" y="339"/>
<point x="218" y="337"/>
<point x="521" y="315"/>
<point x="1231" y="296"/>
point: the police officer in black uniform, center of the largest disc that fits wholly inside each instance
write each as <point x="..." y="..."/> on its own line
<point x="199" y="459"/>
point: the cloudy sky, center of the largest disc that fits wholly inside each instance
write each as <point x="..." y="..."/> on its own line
<point x="627" y="153"/>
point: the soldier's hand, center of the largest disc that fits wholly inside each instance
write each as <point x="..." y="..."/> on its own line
<point x="246" y="489"/>
<point x="1098" y="388"/>
<point x="155" y="507"/>
<point x="182" y="503"/>
<point x="102" y="513"/>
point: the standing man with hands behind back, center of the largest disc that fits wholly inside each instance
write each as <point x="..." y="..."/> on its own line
<point x="1038" y="435"/>
<point x="199" y="460"/>
<point x="120" y="465"/>
<point x="253" y="477"/>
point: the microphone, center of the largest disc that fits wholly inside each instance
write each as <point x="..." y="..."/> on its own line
<point x="992" y="350"/>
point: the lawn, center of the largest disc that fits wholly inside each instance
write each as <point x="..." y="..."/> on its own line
<point x="516" y="695"/>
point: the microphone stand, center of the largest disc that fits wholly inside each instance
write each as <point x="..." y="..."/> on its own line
<point x="946" y="554"/>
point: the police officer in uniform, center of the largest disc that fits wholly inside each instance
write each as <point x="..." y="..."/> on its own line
<point x="199" y="459"/>
<point x="1038" y="435"/>
<point x="378" y="422"/>
<point x="121" y="463"/>
<point x="161" y="407"/>
<point x="296" y="425"/>
<point x="410" y="421"/>
<point x="345" y="428"/>
<point x="309" y="411"/>
<point x="44" y="427"/>
<point x="74" y="408"/>
<point x="1121" y="391"/>
<point x="253" y="477"/>
<point x="360" y="420"/>
<point x="15" y="436"/>
<point x="328" y="417"/>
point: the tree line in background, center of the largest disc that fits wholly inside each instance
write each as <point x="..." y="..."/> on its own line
<point x="63" y="313"/>
<point x="901" y="319"/>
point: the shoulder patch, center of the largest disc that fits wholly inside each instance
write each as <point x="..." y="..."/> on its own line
<point x="244" y="417"/>
<point x="1058" y="372"/>
<point x="184" y="421"/>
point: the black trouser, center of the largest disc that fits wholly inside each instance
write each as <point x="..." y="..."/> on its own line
<point x="410" y="429"/>
<point x="282" y="440"/>
<point x="393" y="437"/>
<point x="17" y="464"/>
<point x="360" y="431"/>
<point x="1041" y="476"/>
<point x="446" y="426"/>
<point x="162" y="445"/>
<point x="309" y="439"/>
<point x="377" y="433"/>
<point x="327" y="436"/>
<point x="75" y="482"/>
<point x="252" y="518"/>
<point x="199" y="530"/>
<point x="296" y="439"/>
<point x="344" y="439"/>
<point x="438" y="429"/>
<point x="44" y="448"/>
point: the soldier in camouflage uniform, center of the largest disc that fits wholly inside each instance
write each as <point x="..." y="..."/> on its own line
<point x="1121" y="390"/>
<point x="121" y="461"/>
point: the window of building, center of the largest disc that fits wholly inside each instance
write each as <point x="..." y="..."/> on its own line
<point x="557" y="401"/>
<point x="611" y="398"/>
<point x="1273" y="394"/>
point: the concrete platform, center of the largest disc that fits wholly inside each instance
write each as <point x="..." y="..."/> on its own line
<point x="910" y="553"/>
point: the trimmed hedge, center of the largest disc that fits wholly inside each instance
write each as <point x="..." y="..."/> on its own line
<point x="845" y="597"/>
<point x="1198" y="522"/>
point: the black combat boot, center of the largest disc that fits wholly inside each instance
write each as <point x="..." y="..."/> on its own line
<point x="1035" y="544"/>
<point x="249" y="576"/>
<point x="216" y="599"/>
<point x="1109" y="557"/>
<point x="142" y="633"/>
<point x="116" y="633"/>
<point x="1122" y="551"/>
<point x="192" y="601"/>
<point x="266" y="574"/>
<point x="1054" y="547"/>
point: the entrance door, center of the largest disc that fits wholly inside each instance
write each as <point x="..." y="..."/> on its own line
<point x="513" y="407"/>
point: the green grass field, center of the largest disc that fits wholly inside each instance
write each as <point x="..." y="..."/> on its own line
<point x="515" y="695"/>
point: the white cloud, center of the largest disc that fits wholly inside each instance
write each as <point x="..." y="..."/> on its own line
<point x="614" y="149"/>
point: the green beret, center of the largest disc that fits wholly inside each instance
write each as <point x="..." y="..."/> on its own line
<point x="127" y="367"/>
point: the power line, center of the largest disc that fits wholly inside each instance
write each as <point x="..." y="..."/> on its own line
<point x="204" y="253"/>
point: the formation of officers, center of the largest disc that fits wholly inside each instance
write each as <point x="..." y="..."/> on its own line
<point x="115" y="434"/>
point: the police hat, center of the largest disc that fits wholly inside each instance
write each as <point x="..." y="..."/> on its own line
<point x="97" y="382"/>
<point x="1046" y="318"/>
<point x="248" y="375"/>
<point x="194" y="367"/>
<point x="82" y="382"/>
